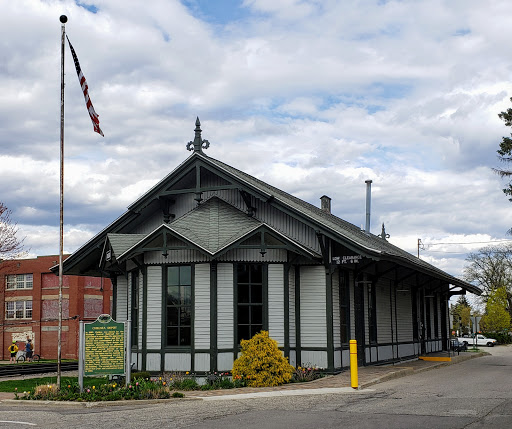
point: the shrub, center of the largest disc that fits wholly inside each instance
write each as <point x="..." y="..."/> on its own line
<point x="500" y="337"/>
<point x="262" y="363"/>
<point x="140" y="375"/>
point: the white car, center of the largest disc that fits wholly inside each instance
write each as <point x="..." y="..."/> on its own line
<point x="479" y="341"/>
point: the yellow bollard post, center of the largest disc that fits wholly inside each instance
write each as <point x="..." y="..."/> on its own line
<point x="353" y="364"/>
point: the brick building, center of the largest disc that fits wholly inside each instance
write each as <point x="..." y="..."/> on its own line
<point x="29" y="307"/>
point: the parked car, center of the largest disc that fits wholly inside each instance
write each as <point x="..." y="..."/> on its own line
<point x="480" y="340"/>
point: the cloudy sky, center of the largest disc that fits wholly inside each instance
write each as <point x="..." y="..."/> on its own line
<point x="312" y="96"/>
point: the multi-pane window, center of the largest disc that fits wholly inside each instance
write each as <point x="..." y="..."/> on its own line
<point x="179" y="305"/>
<point x="18" y="309"/>
<point x="19" y="281"/>
<point x="250" y="300"/>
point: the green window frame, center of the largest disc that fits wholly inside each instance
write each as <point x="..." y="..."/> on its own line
<point x="178" y="299"/>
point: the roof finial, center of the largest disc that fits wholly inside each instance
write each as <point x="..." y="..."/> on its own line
<point x="383" y="234"/>
<point x="198" y="144"/>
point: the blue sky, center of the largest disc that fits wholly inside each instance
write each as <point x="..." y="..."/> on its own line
<point x="312" y="96"/>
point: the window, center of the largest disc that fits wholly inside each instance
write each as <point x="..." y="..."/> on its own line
<point x="135" y="307"/>
<point x="19" y="281"/>
<point x="18" y="310"/>
<point x="179" y="305"/>
<point x="249" y="300"/>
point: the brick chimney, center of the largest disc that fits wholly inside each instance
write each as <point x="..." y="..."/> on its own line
<point x="325" y="203"/>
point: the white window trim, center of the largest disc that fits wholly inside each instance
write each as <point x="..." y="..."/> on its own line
<point x="26" y="306"/>
<point x="26" y="281"/>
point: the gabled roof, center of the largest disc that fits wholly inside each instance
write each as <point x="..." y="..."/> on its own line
<point x="211" y="228"/>
<point x="233" y="224"/>
<point x="214" y="225"/>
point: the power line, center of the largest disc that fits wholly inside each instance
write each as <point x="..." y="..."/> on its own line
<point x="469" y="242"/>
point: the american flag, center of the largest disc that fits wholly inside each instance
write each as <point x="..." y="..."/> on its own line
<point x="83" y="83"/>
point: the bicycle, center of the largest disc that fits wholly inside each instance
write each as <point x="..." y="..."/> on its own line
<point x="22" y="356"/>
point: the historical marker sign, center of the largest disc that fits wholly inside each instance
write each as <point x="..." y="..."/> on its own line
<point x="104" y="347"/>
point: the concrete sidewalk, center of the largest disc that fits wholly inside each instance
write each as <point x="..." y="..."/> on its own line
<point x="340" y="383"/>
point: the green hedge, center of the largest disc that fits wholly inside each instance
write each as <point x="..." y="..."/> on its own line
<point x="501" y="338"/>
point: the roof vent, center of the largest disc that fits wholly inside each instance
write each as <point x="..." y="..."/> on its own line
<point x="325" y="203"/>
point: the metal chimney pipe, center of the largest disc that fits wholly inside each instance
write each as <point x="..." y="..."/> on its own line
<point x="368" y="204"/>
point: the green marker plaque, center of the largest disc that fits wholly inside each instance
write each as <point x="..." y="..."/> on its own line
<point x="104" y="347"/>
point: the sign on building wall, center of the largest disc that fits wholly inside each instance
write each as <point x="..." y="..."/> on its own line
<point x="347" y="259"/>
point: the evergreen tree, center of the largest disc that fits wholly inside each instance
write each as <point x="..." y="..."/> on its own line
<point x="505" y="153"/>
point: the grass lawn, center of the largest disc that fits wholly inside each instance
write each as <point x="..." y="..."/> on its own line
<point x="31" y="383"/>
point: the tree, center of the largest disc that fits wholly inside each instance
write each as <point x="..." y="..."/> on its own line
<point x="505" y="152"/>
<point x="10" y="246"/>
<point x="491" y="268"/>
<point x="461" y="312"/>
<point x="496" y="317"/>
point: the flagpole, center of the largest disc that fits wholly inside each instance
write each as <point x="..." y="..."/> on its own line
<point x="63" y="19"/>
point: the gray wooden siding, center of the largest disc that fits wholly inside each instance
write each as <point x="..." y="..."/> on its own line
<point x="254" y="255"/>
<point x="314" y="359"/>
<point x="153" y="362"/>
<point x="336" y="310"/>
<point x="384" y="317"/>
<point x="154" y="309"/>
<point x="225" y="306"/>
<point x="177" y="362"/>
<point x="176" y="256"/>
<point x="276" y="302"/>
<point x="291" y="287"/>
<point x="404" y="316"/>
<point x="202" y="362"/>
<point x="202" y="306"/>
<point x="122" y="299"/>
<point x="313" y="326"/>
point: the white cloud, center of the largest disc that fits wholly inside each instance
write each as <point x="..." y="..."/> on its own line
<point x="313" y="96"/>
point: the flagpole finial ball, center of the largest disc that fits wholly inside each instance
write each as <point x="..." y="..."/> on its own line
<point x="63" y="19"/>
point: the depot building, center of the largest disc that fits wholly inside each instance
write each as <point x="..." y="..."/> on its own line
<point x="212" y="255"/>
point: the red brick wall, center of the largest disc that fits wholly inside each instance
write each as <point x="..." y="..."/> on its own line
<point x="84" y="298"/>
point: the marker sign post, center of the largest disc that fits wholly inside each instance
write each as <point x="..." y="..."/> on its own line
<point x="104" y="348"/>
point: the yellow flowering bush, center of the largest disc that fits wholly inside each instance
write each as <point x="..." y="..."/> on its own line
<point x="262" y="363"/>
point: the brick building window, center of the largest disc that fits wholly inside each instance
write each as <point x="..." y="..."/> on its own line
<point x="18" y="310"/>
<point x="19" y="281"/>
